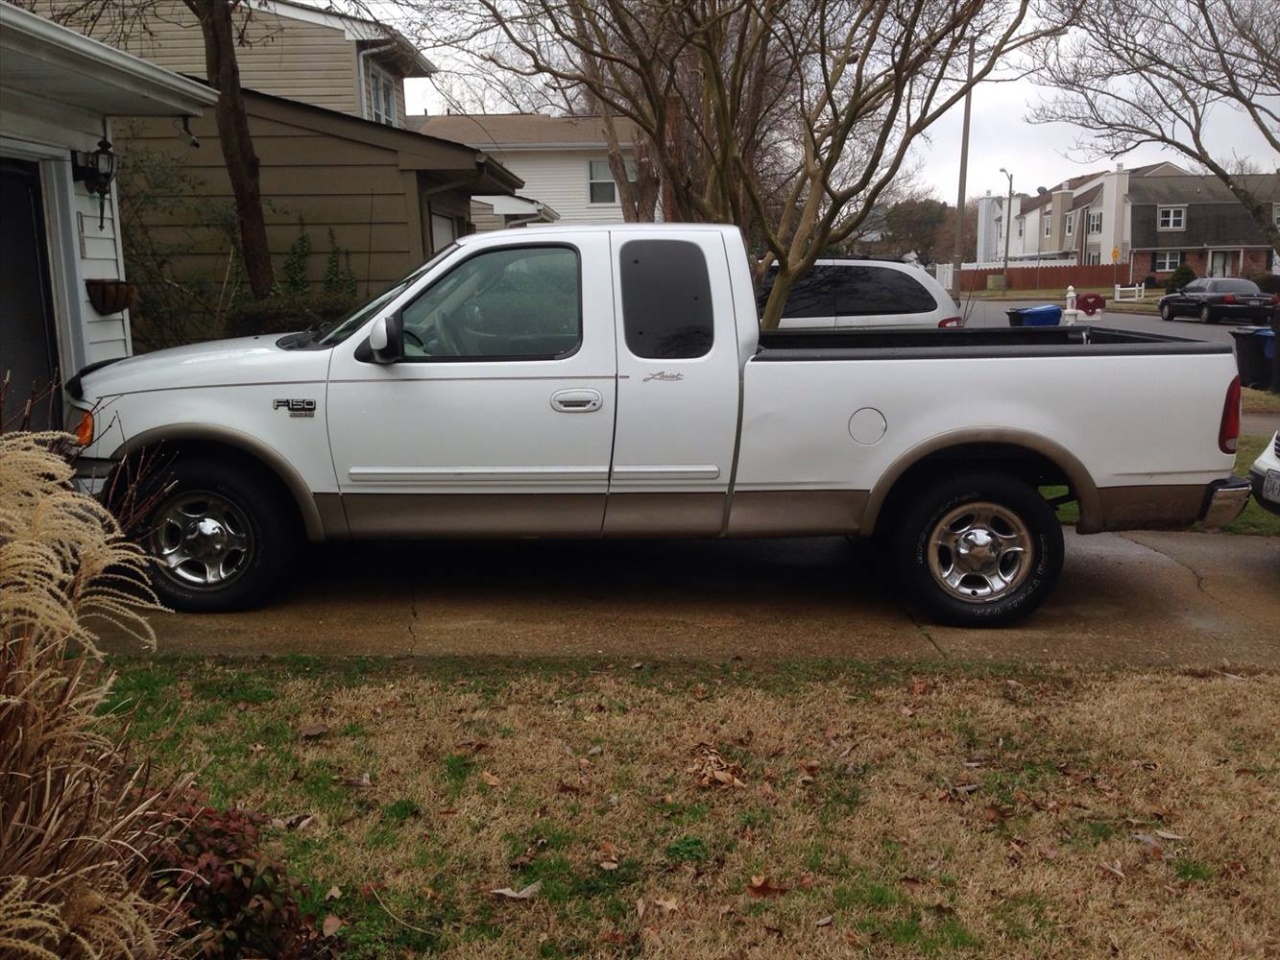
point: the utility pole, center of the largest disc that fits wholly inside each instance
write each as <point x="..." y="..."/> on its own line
<point x="957" y="259"/>
<point x="1008" y="225"/>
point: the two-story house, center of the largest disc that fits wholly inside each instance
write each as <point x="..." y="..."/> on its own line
<point x="563" y="161"/>
<point x="1195" y="220"/>
<point x="324" y="93"/>
<point x="62" y="283"/>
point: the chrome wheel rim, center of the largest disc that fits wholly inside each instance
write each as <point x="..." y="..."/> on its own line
<point x="201" y="541"/>
<point x="980" y="552"/>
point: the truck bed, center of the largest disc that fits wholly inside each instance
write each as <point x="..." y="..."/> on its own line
<point x="973" y="342"/>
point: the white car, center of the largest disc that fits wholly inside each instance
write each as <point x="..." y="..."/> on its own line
<point x="865" y="293"/>
<point x="1264" y="476"/>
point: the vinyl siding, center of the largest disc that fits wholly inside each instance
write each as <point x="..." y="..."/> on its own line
<point x="105" y="337"/>
<point x="357" y="189"/>
<point x="558" y="178"/>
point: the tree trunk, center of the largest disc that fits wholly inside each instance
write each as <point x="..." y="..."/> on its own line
<point x="237" y="144"/>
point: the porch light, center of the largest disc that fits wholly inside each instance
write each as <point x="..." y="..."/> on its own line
<point x="96" y="170"/>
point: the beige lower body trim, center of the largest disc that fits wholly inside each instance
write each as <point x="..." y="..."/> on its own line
<point x="1136" y="508"/>
<point x="664" y="515"/>
<point x="496" y="516"/>
<point x="797" y="513"/>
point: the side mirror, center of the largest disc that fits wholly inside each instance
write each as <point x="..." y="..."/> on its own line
<point x="386" y="339"/>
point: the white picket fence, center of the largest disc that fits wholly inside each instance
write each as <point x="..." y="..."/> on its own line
<point x="1136" y="292"/>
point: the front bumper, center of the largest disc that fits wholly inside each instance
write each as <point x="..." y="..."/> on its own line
<point x="91" y="475"/>
<point x="1256" y="479"/>
<point x="1225" y="501"/>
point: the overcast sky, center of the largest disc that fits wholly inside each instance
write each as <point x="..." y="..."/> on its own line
<point x="999" y="136"/>
<point x="1044" y="155"/>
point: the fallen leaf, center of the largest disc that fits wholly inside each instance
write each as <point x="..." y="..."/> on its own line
<point x="565" y="787"/>
<point x="333" y="894"/>
<point x="361" y="782"/>
<point x="313" y="731"/>
<point x="640" y="908"/>
<point x="475" y="746"/>
<point x="761" y="886"/>
<point x="491" y="779"/>
<point x="825" y="921"/>
<point x="1166" y="835"/>
<point x="667" y="904"/>
<point x="527" y="893"/>
<point x="332" y="925"/>
<point x="299" y="821"/>
<point x="1049" y="852"/>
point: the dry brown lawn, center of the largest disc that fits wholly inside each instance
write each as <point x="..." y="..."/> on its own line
<point x="700" y="812"/>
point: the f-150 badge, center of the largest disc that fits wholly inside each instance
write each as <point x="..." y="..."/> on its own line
<point x="296" y="408"/>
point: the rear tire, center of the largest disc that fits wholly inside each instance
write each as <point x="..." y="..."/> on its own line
<point x="980" y="550"/>
<point x="1206" y="315"/>
<point x="220" y="537"/>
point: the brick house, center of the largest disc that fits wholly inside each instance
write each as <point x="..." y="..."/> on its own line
<point x="1194" y="220"/>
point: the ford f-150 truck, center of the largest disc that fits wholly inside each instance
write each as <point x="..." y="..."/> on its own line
<point x="614" y="382"/>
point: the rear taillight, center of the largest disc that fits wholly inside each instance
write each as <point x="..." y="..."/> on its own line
<point x="950" y="322"/>
<point x="1229" y="298"/>
<point x="1275" y="300"/>
<point x="1229" y="430"/>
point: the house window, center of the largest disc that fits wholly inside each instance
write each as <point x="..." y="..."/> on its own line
<point x="1095" y="222"/>
<point x="1047" y="223"/>
<point x="1171" y="218"/>
<point x="600" y="182"/>
<point x="1071" y="224"/>
<point x="381" y="107"/>
<point x="1019" y="229"/>
<point x="1168" y="260"/>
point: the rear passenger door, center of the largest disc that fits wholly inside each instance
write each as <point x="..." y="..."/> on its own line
<point x="678" y="385"/>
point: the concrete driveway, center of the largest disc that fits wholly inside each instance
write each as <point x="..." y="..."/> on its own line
<point x="1141" y="599"/>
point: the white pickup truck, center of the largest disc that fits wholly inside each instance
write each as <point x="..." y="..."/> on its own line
<point x="613" y="382"/>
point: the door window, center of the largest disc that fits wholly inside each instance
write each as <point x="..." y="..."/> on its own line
<point x="518" y="303"/>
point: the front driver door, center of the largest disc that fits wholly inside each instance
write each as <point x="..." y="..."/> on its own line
<point x="499" y="419"/>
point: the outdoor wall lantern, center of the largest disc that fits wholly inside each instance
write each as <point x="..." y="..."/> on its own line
<point x="96" y="170"/>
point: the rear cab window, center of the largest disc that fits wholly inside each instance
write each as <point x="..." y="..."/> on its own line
<point x="666" y="300"/>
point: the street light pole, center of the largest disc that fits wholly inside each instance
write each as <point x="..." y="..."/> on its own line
<point x="1008" y="225"/>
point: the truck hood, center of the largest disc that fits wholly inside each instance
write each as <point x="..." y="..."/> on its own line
<point x="221" y="363"/>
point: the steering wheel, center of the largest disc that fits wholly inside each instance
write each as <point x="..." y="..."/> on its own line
<point x="448" y="335"/>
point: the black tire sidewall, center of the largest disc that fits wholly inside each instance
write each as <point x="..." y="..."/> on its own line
<point x="932" y="504"/>
<point x="1166" y="312"/>
<point x="1206" y="315"/>
<point x="273" y="536"/>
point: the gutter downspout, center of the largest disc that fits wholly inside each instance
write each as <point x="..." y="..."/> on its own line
<point x="361" y="63"/>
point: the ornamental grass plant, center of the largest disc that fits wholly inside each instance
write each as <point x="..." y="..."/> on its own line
<point x="76" y="813"/>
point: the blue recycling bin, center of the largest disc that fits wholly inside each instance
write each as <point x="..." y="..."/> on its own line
<point x="1046" y="315"/>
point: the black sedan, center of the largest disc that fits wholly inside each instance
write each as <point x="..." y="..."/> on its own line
<point x="1219" y="298"/>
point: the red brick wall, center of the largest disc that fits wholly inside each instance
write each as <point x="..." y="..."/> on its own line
<point x="1256" y="261"/>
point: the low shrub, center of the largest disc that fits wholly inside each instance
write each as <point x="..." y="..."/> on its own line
<point x="1268" y="282"/>
<point x="242" y="900"/>
<point x="1179" y="278"/>
<point x="286" y="312"/>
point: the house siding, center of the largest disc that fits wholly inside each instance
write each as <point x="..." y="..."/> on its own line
<point x="356" y="189"/>
<point x="282" y="56"/>
<point x="558" y="178"/>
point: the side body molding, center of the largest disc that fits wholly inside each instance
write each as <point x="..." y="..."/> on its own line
<point x="331" y="524"/>
<point x="1081" y="481"/>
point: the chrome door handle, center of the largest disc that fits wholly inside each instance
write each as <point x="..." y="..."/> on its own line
<point x="576" y="401"/>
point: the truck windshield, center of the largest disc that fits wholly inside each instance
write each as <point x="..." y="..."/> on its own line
<point x="334" y="333"/>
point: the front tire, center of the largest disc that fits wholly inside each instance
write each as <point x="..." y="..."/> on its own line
<point x="980" y="550"/>
<point x="1166" y="312"/>
<point x="219" y="536"/>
